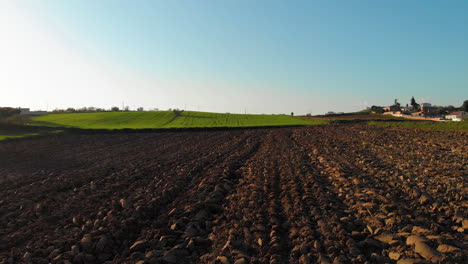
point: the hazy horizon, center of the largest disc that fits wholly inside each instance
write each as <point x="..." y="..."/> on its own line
<point x="232" y="56"/>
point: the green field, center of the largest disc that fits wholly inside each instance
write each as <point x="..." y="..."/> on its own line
<point x="165" y="119"/>
<point x="17" y="132"/>
<point x="463" y="125"/>
<point x="2" y="137"/>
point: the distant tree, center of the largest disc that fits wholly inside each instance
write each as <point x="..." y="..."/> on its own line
<point x="440" y="110"/>
<point x="414" y="104"/>
<point x="70" y="110"/>
<point x="292" y="113"/>
<point x="177" y="112"/>
<point x="465" y="106"/>
<point x="377" y="109"/>
<point x="126" y="109"/>
<point x="308" y="114"/>
<point x="115" y="109"/>
<point x="140" y="109"/>
<point x="8" y="112"/>
<point x="451" y="108"/>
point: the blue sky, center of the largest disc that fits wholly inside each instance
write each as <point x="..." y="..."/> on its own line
<point x="232" y="56"/>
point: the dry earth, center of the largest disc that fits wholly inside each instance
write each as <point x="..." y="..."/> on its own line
<point x="328" y="194"/>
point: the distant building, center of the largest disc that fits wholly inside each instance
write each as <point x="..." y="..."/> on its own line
<point x="27" y="111"/>
<point x="392" y="108"/>
<point x="423" y="105"/>
<point x="456" y="116"/>
<point x="406" y="109"/>
<point x="24" y="111"/>
<point x="427" y="109"/>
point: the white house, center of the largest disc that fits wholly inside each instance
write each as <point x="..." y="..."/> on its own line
<point x="27" y="111"/>
<point x="422" y="105"/>
<point x="24" y="111"/>
<point x="456" y="116"/>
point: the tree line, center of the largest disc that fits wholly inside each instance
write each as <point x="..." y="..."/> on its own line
<point x="92" y="109"/>
<point x="441" y="110"/>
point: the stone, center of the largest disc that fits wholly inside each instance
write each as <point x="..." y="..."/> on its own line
<point x="317" y="245"/>
<point x="420" y="230"/>
<point x="424" y="199"/>
<point x="260" y="242"/>
<point x="385" y="238"/>
<point x="75" y="249"/>
<point x="86" y="242"/>
<point x="444" y="248"/>
<point x="304" y="259"/>
<point x="27" y="256"/>
<point x="427" y="252"/>
<point x="139" y="246"/>
<point x="394" y="255"/>
<point x="223" y="260"/>
<point x="241" y="261"/>
<point x="58" y="258"/>
<point x="123" y="203"/>
<point x="76" y="221"/>
<point x="54" y="253"/>
<point x="411" y="240"/>
<point x="465" y="224"/>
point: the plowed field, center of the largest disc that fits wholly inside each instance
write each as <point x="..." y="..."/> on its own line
<point x="328" y="194"/>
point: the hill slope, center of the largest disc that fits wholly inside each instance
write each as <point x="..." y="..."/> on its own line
<point x="164" y="119"/>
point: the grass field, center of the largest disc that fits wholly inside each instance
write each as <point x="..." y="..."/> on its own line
<point x="463" y="125"/>
<point x="2" y="137"/>
<point x="17" y="132"/>
<point x="165" y="119"/>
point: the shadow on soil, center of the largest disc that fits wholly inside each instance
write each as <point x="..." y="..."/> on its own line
<point x="155" y="130"/>
<point x="20" y="130"/>
<point x="16" y="132"/>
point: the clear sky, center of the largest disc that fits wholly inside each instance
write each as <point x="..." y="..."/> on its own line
<point x="232" y="56"/>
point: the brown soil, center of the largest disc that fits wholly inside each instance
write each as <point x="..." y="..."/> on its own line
<point x="328" y="194"/>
